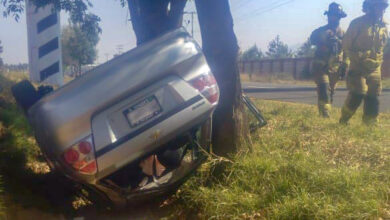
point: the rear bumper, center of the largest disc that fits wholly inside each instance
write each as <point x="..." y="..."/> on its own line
<point x="94" y="179"/>
<point x="195" y="122"/>
<point x="121" y="197"/>
<point x="132" y="135"/>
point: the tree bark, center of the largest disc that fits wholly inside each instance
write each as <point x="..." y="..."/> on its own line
<point x="221" y="49"/>
<point x="78" y="70"/>
<point x="152" y="18"/>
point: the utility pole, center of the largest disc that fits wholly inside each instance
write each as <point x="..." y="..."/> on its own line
<point x="192" y="24"/>
<point x="192" y="13"/>
<point x="1" y="60"/>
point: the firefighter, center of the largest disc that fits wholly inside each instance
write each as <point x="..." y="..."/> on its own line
<point x="329" y="64"/>
<point x="364" y="44"/>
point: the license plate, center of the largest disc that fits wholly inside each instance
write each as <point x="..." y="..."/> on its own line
<point x="143" y="111"/>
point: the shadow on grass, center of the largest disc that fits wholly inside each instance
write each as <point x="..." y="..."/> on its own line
<point x="28" y="183"/>
<point x="24" y="186"/>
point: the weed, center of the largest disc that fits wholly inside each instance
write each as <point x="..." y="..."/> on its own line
<point x="303" y="167"/>
<point x="282" y="78"/>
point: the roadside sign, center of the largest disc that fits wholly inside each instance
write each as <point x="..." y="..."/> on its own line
<point x="44" y="44"/>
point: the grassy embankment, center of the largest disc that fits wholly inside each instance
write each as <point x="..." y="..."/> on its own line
<point x="14" y="138"/>
<point x="282" y="78"/>
<point x="26" y="178"/>
<point x="302" y="167"/>
<point x="277" y="78"/>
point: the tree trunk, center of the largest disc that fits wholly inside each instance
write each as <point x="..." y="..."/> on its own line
<point x="221" y="49"/>
<point x="152" y="18"/>
<point x="78" y="70"/>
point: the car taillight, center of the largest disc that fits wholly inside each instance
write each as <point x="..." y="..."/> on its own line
<point x="81" y="157"/>
<point x="71" y="156"/>
<point x="207" y="85"/>
<point x="85" y="147"/>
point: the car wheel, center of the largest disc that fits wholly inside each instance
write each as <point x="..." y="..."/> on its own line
<point x="25" y="94"/>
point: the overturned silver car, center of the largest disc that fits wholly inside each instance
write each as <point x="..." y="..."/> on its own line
<point x="133" y="127"/>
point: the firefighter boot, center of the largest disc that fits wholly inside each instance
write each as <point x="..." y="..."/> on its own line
<point x="351" y="104"/>
<point x="371" y="110"/>
<point x="324" y="105"/>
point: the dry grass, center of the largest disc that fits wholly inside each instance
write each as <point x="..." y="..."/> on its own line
<point x="386" y="83"/>
<point x="288" y="79"/>
<point x="277" y="78"/>
<point x="303" y="167"/>
<point x="29" y="185"/>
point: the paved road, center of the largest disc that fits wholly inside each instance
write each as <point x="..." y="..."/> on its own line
<point x="302" y="94"/>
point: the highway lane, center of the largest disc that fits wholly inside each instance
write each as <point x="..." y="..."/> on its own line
<point x="302" y="94"/>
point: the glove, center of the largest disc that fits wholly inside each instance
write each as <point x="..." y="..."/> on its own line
<point x="343" y="70"/>
<point x="370" y="65"/>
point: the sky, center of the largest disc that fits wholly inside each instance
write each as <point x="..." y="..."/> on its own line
<point x="256" y="22"/>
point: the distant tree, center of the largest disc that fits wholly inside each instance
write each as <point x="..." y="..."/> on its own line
<point x="21" y="67"/>
<point x="252" y="54"/>
<point x="278" y="49"/>
<point x="1" y="51"/>
<point x="306" y="50"/>
<point x="78" y="47"/>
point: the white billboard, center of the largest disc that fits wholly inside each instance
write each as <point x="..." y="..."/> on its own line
<point x="44" y="44"/>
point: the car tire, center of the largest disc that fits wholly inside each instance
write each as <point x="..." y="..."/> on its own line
<point x="25" y="94"/>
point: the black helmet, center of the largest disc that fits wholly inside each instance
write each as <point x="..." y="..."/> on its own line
<point x="337" y="10"/>
<point x="368" y="3"/>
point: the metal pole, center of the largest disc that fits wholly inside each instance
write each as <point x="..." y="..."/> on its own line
<point x="192" y="13"/>
<point x="192" y="24"/>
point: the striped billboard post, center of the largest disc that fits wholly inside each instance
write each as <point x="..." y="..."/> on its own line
<point x="44" y="43"/>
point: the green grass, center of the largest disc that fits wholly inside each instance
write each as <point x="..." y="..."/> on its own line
<point x="283" y="78"/>
<point x="276" y="78"/>
<point x="26" y="178"/>
<point x="303" y="167"/>
<point x="18" y="148"/>
<point x="386" y="83"/>
<point x="16" y="134"/>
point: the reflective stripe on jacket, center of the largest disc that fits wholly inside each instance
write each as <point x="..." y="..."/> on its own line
<point x="364" y="44"/>
<point x="329" y="53"/>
